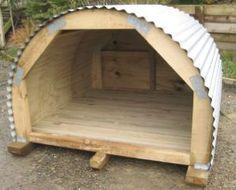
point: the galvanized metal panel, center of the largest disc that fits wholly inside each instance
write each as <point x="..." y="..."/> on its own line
<point x="190" y="35"/>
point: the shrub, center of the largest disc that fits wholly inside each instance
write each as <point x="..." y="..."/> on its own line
<point x="229" y="64"/>
<point x="22" y="32"/>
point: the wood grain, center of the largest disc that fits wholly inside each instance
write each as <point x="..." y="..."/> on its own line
<point x="99" y="160"/>
<point x="140" y="119"/>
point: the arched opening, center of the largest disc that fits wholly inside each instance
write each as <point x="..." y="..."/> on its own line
<point x="109" y="85"/>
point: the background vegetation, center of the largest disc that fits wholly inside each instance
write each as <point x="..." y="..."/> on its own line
<point x="43" y="9"/>
<point x="229" y="64"/>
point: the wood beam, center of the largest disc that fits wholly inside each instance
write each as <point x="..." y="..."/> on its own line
<point x="20" y="149"/>
<point x="196" y="177"/>
<point x="99" y="160"/>
<point x="21" y="113"/>
<point x="112" y="148"/>
<point x="202" y="122"/>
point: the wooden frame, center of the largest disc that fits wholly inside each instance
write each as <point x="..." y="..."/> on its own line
<point x="160" y="42"/>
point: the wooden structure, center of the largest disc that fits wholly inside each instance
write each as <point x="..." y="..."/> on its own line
<point x="106" y="81"/>
<point x="220" y="21"/>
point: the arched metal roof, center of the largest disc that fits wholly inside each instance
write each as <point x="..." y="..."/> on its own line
<point x="191" y="36"/>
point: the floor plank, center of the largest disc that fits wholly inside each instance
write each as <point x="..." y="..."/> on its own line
<point x="152" y="119"/>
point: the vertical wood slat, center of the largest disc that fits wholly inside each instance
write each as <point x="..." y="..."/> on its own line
<point x="2" y="33"/>
<point x="21" y="110"/>
<point x="201" y="130"/>
<point x="199" y="14"/>
<point x="97" y="70"/>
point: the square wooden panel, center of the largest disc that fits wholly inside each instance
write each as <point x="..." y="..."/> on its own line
<point x="125" y="69"/>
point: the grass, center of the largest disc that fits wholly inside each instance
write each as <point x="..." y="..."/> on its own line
<point x="8" y="54"/>
<point x="229" y="64"/>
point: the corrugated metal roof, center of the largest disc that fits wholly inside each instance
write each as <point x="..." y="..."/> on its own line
<point x="192" y="37"/>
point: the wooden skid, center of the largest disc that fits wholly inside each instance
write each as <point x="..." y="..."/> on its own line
<point x="197" y="177"/>
<point x="21" y="149"/>
<point x="99" y="160"/>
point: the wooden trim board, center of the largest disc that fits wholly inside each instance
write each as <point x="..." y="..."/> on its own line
<point x="112" y="148"/>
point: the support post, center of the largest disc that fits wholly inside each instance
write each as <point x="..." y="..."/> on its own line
<point x="201" y="130"/>
<point x="21" y="111"/>
<point x="99" y="160"/>
<point x="20" y="149"/>
<point x="199" y="14"/>
<point x="196" y="177"/>
<point x="2" y="33"/>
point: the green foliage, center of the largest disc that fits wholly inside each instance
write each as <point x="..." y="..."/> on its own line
<point x="42" y="9"/>
<point x="229" y="64"/>
<point x="8" y="54"/>
<point x="195" y="1"/>
<point x="22" y="32"/>
<point x="37" y="10"/>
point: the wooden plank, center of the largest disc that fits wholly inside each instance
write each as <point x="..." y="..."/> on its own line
<point x="202" y="122"/>
<point x="97" y="69"/>
<point x="49" y="81"/>
<point x="126" y="40"/>
<point x="229" y="28"/>
<point x="21" y="113"/>
<point x="97" y="74"/>
<point x="196" y="177"/>
<point x="226" y="46"/>
<point x="225" y="9"/>
<point x="133" y="121"/>
<point x="171" y="53"/>
<point x="31" y="53"/>
<point x="99" y="160"/>
<point x="83" y="73"/>
<point x="220" y="19"/>
<point x="231" y="38"/>
<point x="167" y="79"/>
<point x="112" y="148"/>
<point x="100" y="19"/>
<point x="126" y="69"/>
<point x="159" y="138"/>
<point x="20" y="149"/>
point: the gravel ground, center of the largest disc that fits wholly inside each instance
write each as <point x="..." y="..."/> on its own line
<point x="48" y="168"/>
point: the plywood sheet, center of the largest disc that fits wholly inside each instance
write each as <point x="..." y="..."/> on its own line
<point x="126" y="69"/>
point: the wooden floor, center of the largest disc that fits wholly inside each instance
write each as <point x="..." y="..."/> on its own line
<point x="146" y="118"/>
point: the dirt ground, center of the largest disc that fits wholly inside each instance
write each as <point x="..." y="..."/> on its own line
<point x="57" y="168"/>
